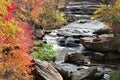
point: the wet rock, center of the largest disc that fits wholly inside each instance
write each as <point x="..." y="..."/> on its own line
<point x="83" y="10"/>
<point x="71" y="18"/>
<point x="68" y="42"/>
<point x="45" y="71"/>
<point x="68" y="32"/>
<point x="74" y="58"/>
<point x="99" y="56"/>
<point x="84" y="74"/>
<point x="113" y="56"/>
<point x="102" y="31"/>
<point x="106" y="36"/>
<point x="88" y="7"/>
<point x="64" y="73"/>
<point x="104" y="43"/>
<point x="98" y="76"/>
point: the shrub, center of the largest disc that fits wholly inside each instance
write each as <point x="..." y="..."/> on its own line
<point x="44" y="52"/>
<point x="108" y="13"/>
<point x="115" y="75"/>
<point x="52" y="19"/>
<point x="117" y="40"/>
<point x="39" y="12"/>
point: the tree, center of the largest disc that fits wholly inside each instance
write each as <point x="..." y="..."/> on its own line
<point x="15" y="45"/>
<point x="108" y="13"/>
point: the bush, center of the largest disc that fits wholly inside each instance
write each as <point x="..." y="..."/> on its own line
<point x="117" y="40"/>
<point x="52" y="19"/>
<point x="44" y="52"/>
<point x="115" y="75"/>
<point x="108" y="13"/>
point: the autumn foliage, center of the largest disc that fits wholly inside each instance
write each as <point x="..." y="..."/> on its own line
<point x="28" y="10"/>
<point x="39" y="12"/>
<point x="15" y="44"/>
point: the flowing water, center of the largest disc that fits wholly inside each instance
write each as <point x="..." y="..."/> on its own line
<point x="67" y="35"/>
<point x="80" y="27"/>
<point x="86" y="28"/>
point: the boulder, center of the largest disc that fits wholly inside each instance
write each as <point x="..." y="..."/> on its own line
<point x="102" y="43"/>
<point x="45" y="71"/>
<point x="84" y="74"/>
<point x="74" y="58"/>
<point x="113" y="56"/>
<point x="64" y="73"/>
<point x="68" y="42"/>
<point x="97" y="56"/>
<point x="102" y="31"/>
<point x="98" y="76"/>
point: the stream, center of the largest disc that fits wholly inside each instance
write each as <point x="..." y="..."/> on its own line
<point x="66" y="40"/>
<point x="69" y="31"/>
<point x="86" y="28"/>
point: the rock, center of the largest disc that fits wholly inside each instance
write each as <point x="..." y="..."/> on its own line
<point x="47" y="31"/>
<point x="74" y="58"/>
<point x="98" y="76"/>
<point x="106" y="36"/>
<point x="87" y="9"/>
<point x="45" y="71"/>
<point x="39" y="33"/>
<point x="103" y="43"/>
<point x="84" y="73"/>
<point x="64" y="73"/>
<point x="102" y="31"/>
<point x="113" y="56"/>
<point x="70" y="32"/>
<point x="68" y="42"/>
<point x="71" y="18"/>
<point x="38" y="26"/>
<point x="98" y="56"/>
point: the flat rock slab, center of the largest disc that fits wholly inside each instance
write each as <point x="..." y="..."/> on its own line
<point x="103" y="43"/>
<point x="74" y="58"/>
<point x="84" y="73"/>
